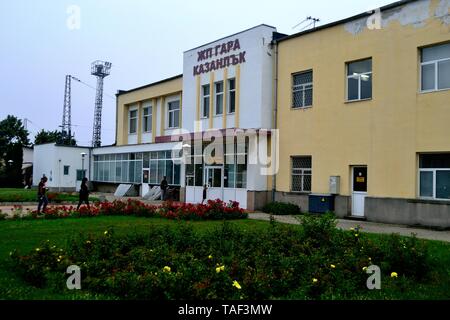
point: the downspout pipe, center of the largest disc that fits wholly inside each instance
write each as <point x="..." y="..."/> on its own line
<point x="275" y="117"/>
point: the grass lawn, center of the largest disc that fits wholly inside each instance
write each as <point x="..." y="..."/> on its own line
<point x="25" y="235"/>
<point x="30" y="195"/>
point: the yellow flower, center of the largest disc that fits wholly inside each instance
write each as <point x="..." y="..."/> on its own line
<point x="314" y="280"/>
<point x="333" y="266"/>
<point x="221" y="268"/>
<point x="37" y="249"/>
<point x="365" y="268"/>
<point x="356" y="235"/>
<point x="59" y="260"/>
<point x="88" y="242"/>
<point x="370" y="259"/>
<point x="352" y="229"/>
<point x="394" y="275"/>
<point x="210" y="257"/>
<point x="105" y="233"/>
<point x="167" y="269"/>
<point x="237" y="285"/>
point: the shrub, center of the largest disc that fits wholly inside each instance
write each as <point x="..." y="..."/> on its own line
<point x="316" y="261"/>
<point x="281" y="208"/>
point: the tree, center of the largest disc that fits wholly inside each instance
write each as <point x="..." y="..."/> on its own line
<point x="58" y="137"/>
<point x="13" y="137"/>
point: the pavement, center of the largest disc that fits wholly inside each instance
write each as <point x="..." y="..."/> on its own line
<point x="369" y="227"/>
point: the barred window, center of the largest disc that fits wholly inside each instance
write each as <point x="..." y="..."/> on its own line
<point x="302" y="90"/>
<point x="301" y="174"/>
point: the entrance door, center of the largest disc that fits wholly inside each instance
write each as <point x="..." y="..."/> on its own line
<point x="359" y="190"/>
<point x="214" y="180"/>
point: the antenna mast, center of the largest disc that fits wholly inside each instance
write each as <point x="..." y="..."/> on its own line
<point x="100" y="69"/>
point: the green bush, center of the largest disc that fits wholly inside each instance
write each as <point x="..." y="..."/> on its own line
<point x="281" y="208"/>
<point x="316" y="261"/>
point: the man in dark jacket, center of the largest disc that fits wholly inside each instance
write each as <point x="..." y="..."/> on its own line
<point x="42" y="196"/>
<point x="164" y="186"/>
<point x="84" y="194"/>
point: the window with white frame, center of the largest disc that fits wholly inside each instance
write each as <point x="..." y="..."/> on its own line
<point x="434" y="176"/>
<point x="435" y="68"/>
<point x="206" y="96"/>
<point x="302" y="89"/>
<point x="133" y="121"/>
<point x="301" y="174"/>
<point x="147" y="119"/>
<point x="231" y="95"/>
<point x="359" y="80"/>
<point x="218" y="89"/>
<point x="174" y="114"/>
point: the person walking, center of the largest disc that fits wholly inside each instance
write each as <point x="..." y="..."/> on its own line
<point x="205" y="191"/>
<point x="42" y="196"/>
<point x="164" y="186"/>
<point x="84" y="194"/>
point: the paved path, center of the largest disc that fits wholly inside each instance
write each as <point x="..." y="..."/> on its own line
<point x="370" y="227"/>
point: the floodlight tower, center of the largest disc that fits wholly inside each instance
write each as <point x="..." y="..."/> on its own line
<point x="100" y="69"/>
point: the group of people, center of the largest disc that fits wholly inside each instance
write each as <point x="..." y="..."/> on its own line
<point x="43" y="199"/>
<point x="84" y="193"/>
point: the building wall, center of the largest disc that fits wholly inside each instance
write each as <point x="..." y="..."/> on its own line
<point x="155" y="96"/>
<point x="253" y="82"/>
<point x="50" y="160"/>
<point x="386" y="132"/>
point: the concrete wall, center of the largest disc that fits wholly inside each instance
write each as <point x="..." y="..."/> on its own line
<point x="50" y="160"/>
<point x="408" y="211"/>
<point x="342" y="204"/>
<point x="256" y="200"/>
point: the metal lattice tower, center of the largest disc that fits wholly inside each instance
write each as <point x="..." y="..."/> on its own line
<point x="100" y="69"/>
<point x="66" y="126"/>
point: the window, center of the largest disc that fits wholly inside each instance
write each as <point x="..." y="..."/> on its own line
<point x="434" y="176"/>
<point x="133" y="121"/>
<point x="205" y="100"/>
<point x="301" y="174"/>
<point x="219" y="97"/>
<point x="174" y="114"/>
<point x="81" y="174"/>
<point x="147" y="119"/>
<point x="66" y="170"/>
<point x="231" y="96"/>
<point x="302" y="90"/>
<point x="435" y="66"/>
<point x="359" y="80"/>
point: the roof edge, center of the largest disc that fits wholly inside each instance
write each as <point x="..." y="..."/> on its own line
<point x="122" y="92"/>
<point x="342" y="21"/>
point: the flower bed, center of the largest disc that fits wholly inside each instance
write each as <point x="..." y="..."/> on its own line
<point x="212" y="210"/>
<point x="311" y="261"/>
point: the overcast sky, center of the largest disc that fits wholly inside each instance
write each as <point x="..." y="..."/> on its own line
<point x="144" y="40"/>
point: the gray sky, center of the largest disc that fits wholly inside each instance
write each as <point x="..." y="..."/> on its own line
<point x="143" y="39"/>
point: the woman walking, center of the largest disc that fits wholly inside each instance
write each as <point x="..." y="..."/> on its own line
<point x="84" y="194"/>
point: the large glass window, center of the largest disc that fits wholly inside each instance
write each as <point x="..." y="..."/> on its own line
<point x="219" y="97"/>
<point x="302" y="90"/>
<point x="231" y="95"/>
<point x="359" y="80"/>
<point x="206" y="96"/>
<point x="147" y="120"/>
<point x="174" y="114"/>
<point x="133" y="121"/>
<point x="435" y="68"/>
<point x="434" y="176"/>
<point x="301" y="174"/>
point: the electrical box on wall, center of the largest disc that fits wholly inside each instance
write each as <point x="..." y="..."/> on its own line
<point x="335" y="184"/>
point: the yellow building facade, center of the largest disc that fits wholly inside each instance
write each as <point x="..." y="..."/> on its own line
<point x="359" y="94"/>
